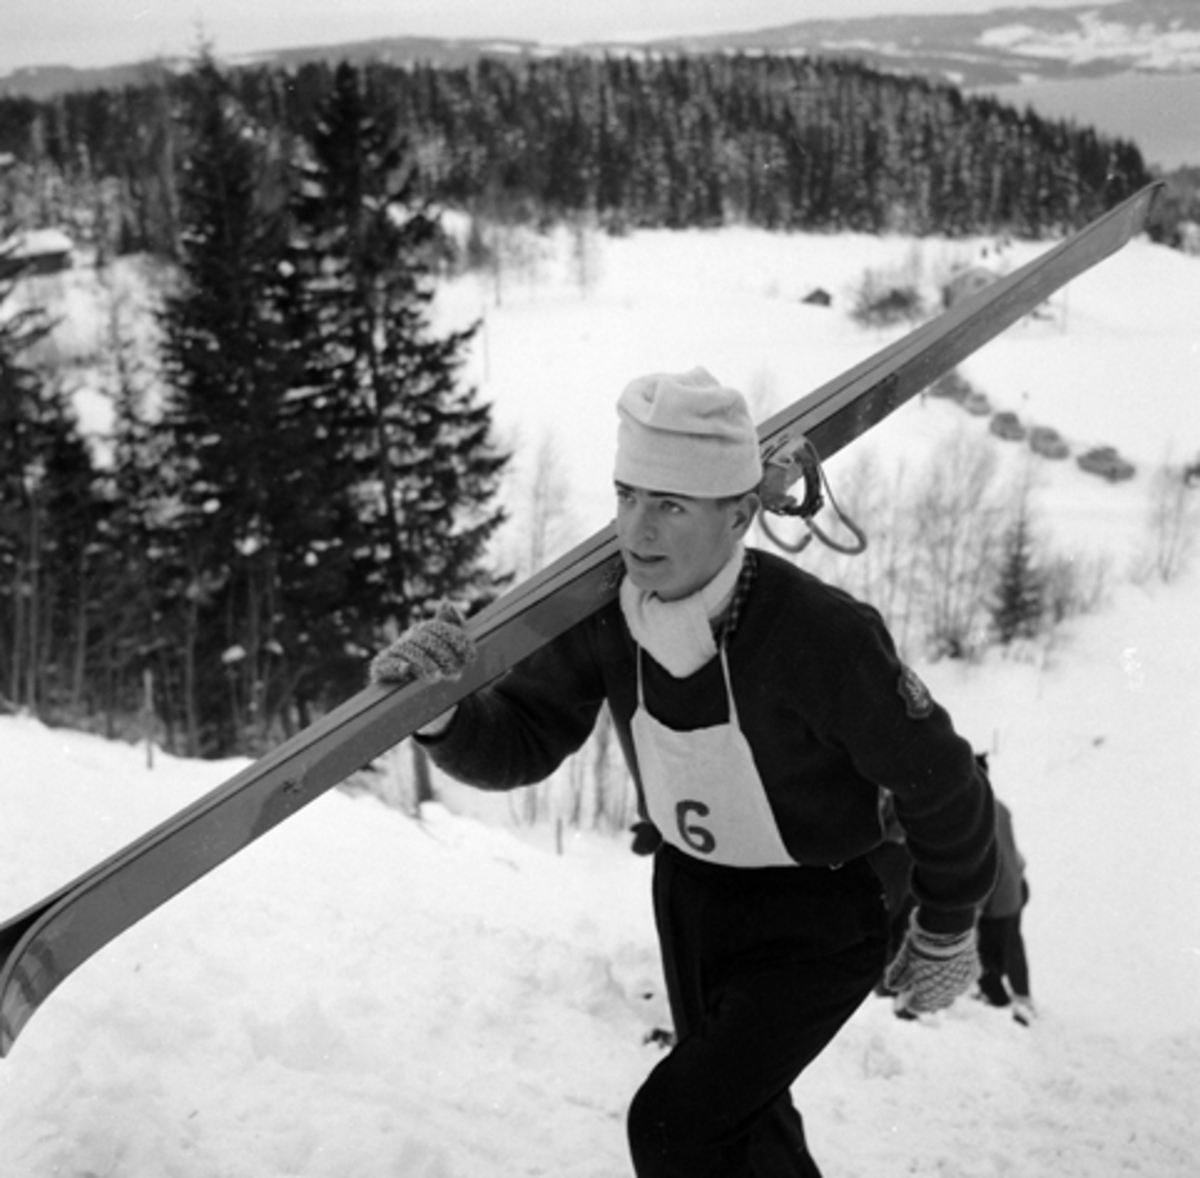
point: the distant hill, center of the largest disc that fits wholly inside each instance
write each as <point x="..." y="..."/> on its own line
<point x="1003" y="46"/>
<point x="45" y="81"/>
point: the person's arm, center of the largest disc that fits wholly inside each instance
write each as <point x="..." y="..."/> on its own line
<point x="903" y="740"/>
<point x="519" y="729"/>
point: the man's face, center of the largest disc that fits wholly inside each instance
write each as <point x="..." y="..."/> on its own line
<point x="673" y="545"/>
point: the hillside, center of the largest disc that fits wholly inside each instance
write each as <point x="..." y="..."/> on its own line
<point x="568" y="318"/>
<point x="361" y="993"/>
<point x="1110" y="361"/>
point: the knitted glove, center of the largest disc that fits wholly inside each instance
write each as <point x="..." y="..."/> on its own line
<point x="440" y="648"/>
<point x="932" y="969"/>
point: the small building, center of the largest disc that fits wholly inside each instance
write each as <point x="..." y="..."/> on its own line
<point x="35" y="251"/>
<point x="818" y="297"/>
<point x="966" y="282"/>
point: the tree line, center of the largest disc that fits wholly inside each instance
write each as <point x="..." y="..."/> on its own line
<point x="311" y="474"/>
<point x="777" y="142"/>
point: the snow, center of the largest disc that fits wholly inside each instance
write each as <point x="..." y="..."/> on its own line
<point x="32" y="243"/>
<point x="1114" y="359"/>
<point x="1095" y="39"/>
<point x="364" y="993"/>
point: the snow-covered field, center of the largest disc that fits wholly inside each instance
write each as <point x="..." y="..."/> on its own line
<point x="1113" y="360"/>
<point x="360" y="993"/>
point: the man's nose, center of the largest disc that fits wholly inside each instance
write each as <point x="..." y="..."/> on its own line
<point x="643" y="521"/>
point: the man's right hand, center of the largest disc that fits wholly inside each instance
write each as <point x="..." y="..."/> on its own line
<point x="440" y="648"/>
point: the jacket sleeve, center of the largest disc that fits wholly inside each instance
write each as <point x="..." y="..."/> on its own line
<point x="521" y="728"/>
<point x="903" y="741"/>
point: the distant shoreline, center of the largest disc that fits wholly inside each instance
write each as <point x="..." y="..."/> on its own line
<point x="1156" y="111"/>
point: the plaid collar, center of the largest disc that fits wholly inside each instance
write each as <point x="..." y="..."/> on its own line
<point x="727" y="623"/>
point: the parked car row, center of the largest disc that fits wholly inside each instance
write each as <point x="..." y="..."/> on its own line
<point x="1048" y="442"/>
<point x="1043" y="439"/>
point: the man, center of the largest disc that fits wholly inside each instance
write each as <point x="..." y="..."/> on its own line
<point x="1004" y="975"/>
<point x="765" y="716"/>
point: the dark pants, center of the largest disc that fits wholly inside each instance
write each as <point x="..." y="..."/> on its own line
<point x="763" y="967"/>
<point x="1001" y="956"/>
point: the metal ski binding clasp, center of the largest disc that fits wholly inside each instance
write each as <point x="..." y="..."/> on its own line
<point x="787" y="461"/>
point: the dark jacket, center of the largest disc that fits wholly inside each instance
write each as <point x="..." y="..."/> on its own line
<point x="1008" y="896"/>
<point x="832" y="716"/>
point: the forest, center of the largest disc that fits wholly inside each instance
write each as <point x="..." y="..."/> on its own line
<point x="778" y="142"/>
<point x="298" y="472"/>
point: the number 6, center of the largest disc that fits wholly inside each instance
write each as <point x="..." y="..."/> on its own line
<point x="697" y="837"/>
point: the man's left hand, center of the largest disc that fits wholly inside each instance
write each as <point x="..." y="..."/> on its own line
<point x="931" y="970"/>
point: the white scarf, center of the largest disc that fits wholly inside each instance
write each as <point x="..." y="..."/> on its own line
<point x="678" y="634"/>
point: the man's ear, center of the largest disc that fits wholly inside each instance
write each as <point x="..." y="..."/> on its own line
<point x="744" y="511"/>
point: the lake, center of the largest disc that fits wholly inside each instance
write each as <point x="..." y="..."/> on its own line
<point x="1159" y="112"/>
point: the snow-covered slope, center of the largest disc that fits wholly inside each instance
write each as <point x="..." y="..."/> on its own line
<point x="1112" y="360"/>
<point x="360" y="993"/>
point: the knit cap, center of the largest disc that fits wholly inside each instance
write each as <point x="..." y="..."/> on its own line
<point x="686" y="434"/>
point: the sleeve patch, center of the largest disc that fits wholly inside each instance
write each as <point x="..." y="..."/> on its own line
<point x="918" y="703"/>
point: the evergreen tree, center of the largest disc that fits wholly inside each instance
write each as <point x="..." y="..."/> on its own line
<point x="418" y="446"/>
<point x="129" y="593"/>
<point x="65" y="550"/>
<point x="226" y="363"/>
<point x="25" y="438"/>
<point x="1018" y="604"/>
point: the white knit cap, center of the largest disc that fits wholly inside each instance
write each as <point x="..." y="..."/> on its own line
<point x="687" y="435"/>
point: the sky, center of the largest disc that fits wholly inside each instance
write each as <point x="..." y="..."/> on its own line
<point x="85" y="33"/>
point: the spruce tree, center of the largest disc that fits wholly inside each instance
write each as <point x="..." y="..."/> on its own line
<point x="24" y="441"/>
<point x="133" y="648"/>
<point x="226" y="361"/>
<point x="66" y="555"/>
<point x="419" y="445"/>
<point x="1018" y="606"/>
